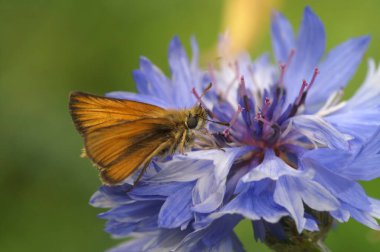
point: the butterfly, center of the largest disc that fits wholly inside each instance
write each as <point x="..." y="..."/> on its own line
<point x="122" y="136"/>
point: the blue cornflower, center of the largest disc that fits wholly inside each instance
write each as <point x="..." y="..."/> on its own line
<point x="292" y="157"/>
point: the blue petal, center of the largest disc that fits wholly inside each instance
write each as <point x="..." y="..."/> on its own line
<point x="123" y="229"/>
<point x="155" y="84"/>
<point x="136" y="244"/>
<point x="110" y="196"/>
<point x="315" y="195"/>
<point x="366" y="163"/>
<point x="337" y="69"/>
<point x="364" y="218"/>
<point x="359" y="122"/>
<point x="263" y="74"/>
<point x="363" y="165"/>
<point x="375" y="205"/>
<point x="343" y="189"/>
<point x="290" y="192"/>
<point x="176" y="209"/>
<point x="195" y="54"/>
<point x="341" y="215"/>
<point x="210" y="189"/>
<point x="183" y="168"/>
<point x="212" y="236"/>
<point x="282" y="37"/>
<point x="232" y="243"/>
<point x="311" y="224"/>
<point x="368" y="94"/>
<point x="154" y="100"/>
<point x="255" y="203"/>
<point x="133" y="212"/>
<point x="220" y="229"/>
<point x="310" y="47"/>
<point x="271" y="167"/>
<point x="286" y="195"/>
<point x="319" y="131"/>
<point x="159" y="240"/>
<point x="181" y="72"/>
<point x="155" y="191"/>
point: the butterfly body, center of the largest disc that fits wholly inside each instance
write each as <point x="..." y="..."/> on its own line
<point x="122" y="136"/>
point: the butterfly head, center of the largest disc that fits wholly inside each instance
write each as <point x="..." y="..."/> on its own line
<point x="196" y="118"/>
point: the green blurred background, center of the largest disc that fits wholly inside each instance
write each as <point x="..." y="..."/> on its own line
<point x="49" y="48"/>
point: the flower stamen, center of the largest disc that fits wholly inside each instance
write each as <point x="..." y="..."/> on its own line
<point x="284" y="67"/>
<point x="316" y="72"/>
<point x="227" y="131"/>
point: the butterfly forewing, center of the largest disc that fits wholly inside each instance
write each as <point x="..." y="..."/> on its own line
<point x="91" y="112"/>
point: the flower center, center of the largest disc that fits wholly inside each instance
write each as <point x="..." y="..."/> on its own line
<point x="266" y="117"/>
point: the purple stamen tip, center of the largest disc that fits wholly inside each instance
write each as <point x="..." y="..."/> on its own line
<point x="267" y="101"/>
<point x="316" y="72"/>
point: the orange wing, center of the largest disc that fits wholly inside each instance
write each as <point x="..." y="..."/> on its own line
<point x="119" y="150"/>
<point x="91" y="112"/>
<point x="120" y="135"/>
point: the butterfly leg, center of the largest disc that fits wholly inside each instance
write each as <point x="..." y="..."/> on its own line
<point x="182" y="143"/>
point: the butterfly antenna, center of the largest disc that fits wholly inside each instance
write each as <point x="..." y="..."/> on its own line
<point x="199" y="98"/>
<point x="220" y="123"/>
<point x="206" y="90"/>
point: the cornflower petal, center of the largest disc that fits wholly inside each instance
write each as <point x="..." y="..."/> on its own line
<point x="310" y="46"/>
<point x="272" y="167"/>
<point x="337" y="69"/>
<point x="282" y="37"/>
<point x="209" y="190"/>
<point x="177" y="209"/>
<point x="318" y="131"/>
<point x="256" y="203"/>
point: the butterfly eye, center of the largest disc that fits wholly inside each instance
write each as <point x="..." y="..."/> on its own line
<point x="192" y="122"/>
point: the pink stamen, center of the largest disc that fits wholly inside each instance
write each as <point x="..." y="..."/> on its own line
<point x="302" y="89"/>
<point x="243" y="93"/>
<point x="226" y="132"/>
<point x="284" y="67"/>
<point x="282" y="74"/>
<point x="235" y="116"/>
<point x="291" y="56"/>
<point x="316" y="72"/>
<point x="242" y="85"/>
<point x="266" y="106"/>
<point x="267" y="101"/>
<point x="260" y="117"/>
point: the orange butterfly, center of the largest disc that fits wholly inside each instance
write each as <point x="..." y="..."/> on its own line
<point x="121" y="136"/>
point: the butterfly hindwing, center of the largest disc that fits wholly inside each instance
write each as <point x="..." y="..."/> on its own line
<point x="121" y="149"/>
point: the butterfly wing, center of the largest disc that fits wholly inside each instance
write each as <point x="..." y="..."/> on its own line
<point x="121" y="149"/>
<point x="120" y="135"/>
<point x="92" y="112"/>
